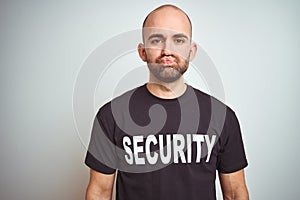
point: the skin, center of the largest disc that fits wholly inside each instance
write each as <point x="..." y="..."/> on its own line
<point x="234" y="186"/>
<point x="100" y="186"/>
<point x="167" y="49"/>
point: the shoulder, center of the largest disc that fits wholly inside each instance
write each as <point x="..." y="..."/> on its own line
<point x="118" y="103"/>
<point x="209" y="99"/>
<point x="220" y="111"/>
<point x="206" y="97"/>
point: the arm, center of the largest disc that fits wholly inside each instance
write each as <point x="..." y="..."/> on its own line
<point x="100" y="186"/>
<point x="233" y="186"/>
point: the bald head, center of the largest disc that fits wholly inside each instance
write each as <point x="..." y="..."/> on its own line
<point x="167" y="47"/>
<point x="168" y="17"/>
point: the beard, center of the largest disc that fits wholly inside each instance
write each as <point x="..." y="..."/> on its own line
<point x="168" y="73"/>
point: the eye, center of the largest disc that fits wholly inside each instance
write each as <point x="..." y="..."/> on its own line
<point x="156" y="41"/>
<point x="179" y="41"/>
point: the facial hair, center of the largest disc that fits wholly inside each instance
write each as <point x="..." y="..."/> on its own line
<point x="168" y="73"/>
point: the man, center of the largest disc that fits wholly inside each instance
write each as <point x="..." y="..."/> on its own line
<point x="165" y="138"/>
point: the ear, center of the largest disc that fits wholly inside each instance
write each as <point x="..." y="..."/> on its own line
<point x="142" y="52"/>
<point x="193" y="51"/>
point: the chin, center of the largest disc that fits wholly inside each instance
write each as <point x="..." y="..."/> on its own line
<point x="168" y="79"/>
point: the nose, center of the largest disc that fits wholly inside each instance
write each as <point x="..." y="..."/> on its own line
<point x="167" y="48"/>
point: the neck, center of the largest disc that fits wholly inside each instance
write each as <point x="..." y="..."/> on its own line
<point x="166" y="90"/>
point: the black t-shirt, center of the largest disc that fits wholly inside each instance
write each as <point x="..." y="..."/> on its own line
<point x="166" y="148"/>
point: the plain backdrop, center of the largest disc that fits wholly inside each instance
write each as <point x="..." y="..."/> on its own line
<point x="254" y="45"/>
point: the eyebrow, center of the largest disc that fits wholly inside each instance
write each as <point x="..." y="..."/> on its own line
<point x="180" y="35"/>
<point x="156" y="35"/>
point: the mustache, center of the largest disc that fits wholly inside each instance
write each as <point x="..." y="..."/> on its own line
<point x="163" y="58"/>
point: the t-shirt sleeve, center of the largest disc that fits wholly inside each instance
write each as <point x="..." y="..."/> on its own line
<point x="231" y="157"/>
<point x="101" y="154"/>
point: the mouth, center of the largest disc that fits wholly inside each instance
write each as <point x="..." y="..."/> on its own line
<point x="167" y="61"/>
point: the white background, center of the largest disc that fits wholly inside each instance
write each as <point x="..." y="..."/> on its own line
<point x="254" y="45"/>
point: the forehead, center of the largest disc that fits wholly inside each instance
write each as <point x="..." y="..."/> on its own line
<point x="151" y="32"/>
<point x="167" y="21"/>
